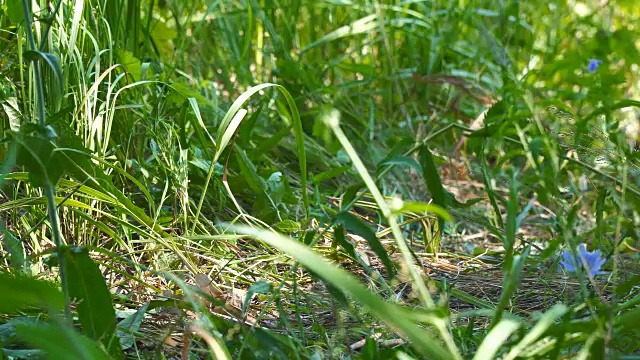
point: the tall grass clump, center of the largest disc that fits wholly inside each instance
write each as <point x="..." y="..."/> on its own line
<point x="319" y="179"/>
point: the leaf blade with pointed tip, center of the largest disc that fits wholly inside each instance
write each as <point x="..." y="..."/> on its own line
<point x="19" y="291"/>
<point x="60" y="342"/>
<point x="95" y="310"/>
<point x="359" y="227"/>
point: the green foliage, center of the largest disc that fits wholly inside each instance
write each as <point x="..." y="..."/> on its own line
<point x="22" y="292"/>
<point x="350" y="285"/>
<point x="359" y="227"/>
<point x="60" y="342"/>
<point x="148" y="146"/>
<point x="95" y="310"/>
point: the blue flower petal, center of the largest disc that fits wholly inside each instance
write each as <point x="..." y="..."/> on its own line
<point x="593" y="65"/>
<point x="568" y="263"/>
<point x="594" y="264"/>
<point x="591" y="261"/>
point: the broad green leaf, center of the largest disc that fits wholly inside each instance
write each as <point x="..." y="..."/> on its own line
<point x="203" y="164"/>
<point x="628" y="321"/>
<point x="340" y="239"/>
<point x="350" y="196"/>
<point x="19" y="292"/>
<point x="162" y="37"/>
<point x="268" y="344"/>
<point x="61" y="342"/>
<point x="46" y="161"/>
<point x="12" y="110"/>
<point x="626" y="287"/>
<point x="359" y="227"/>
<point x="38" y="157"/>
<point x="15" y="11"/>
<point x="9" y="336"/>
<point x="431" y="177"/>
<point x="76" y="159"/>
<point x="9" y="161"/>
<point x="95" y="310"/>
<point x="132" y="65"/>
<point x="129" y="326"/>
<point x="15" y="249"/>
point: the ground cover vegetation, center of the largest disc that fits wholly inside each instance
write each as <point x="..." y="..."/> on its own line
<point x="308" y="179"/>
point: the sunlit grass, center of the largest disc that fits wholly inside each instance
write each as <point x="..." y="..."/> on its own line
<point x="187" y="146"/>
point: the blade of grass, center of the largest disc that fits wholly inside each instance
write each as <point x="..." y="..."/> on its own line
<point x="495" y="339"/>
<point x="230" y="124"/>
<point x="332" y="119"/>
<point x="348" y="284"/>
<point x="543" y="324"/>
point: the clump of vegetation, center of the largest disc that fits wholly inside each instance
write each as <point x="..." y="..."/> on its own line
<point x="319" y="179"/>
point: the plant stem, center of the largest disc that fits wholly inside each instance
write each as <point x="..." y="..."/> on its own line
<point x="48" y="187"/>
<point x="54" y="223"/>
<point x="332" y="121"/>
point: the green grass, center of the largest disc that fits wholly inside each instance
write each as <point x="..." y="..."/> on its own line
<point x="305" y="179"/>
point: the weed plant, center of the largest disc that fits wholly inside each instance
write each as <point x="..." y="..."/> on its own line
<point x="308" y="179"/>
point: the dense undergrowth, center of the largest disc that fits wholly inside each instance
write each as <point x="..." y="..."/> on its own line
<point x="319" y="179"/>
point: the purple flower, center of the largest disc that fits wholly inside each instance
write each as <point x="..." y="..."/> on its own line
<point x="593" y="65"/>
<point x="592" y="261"/>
